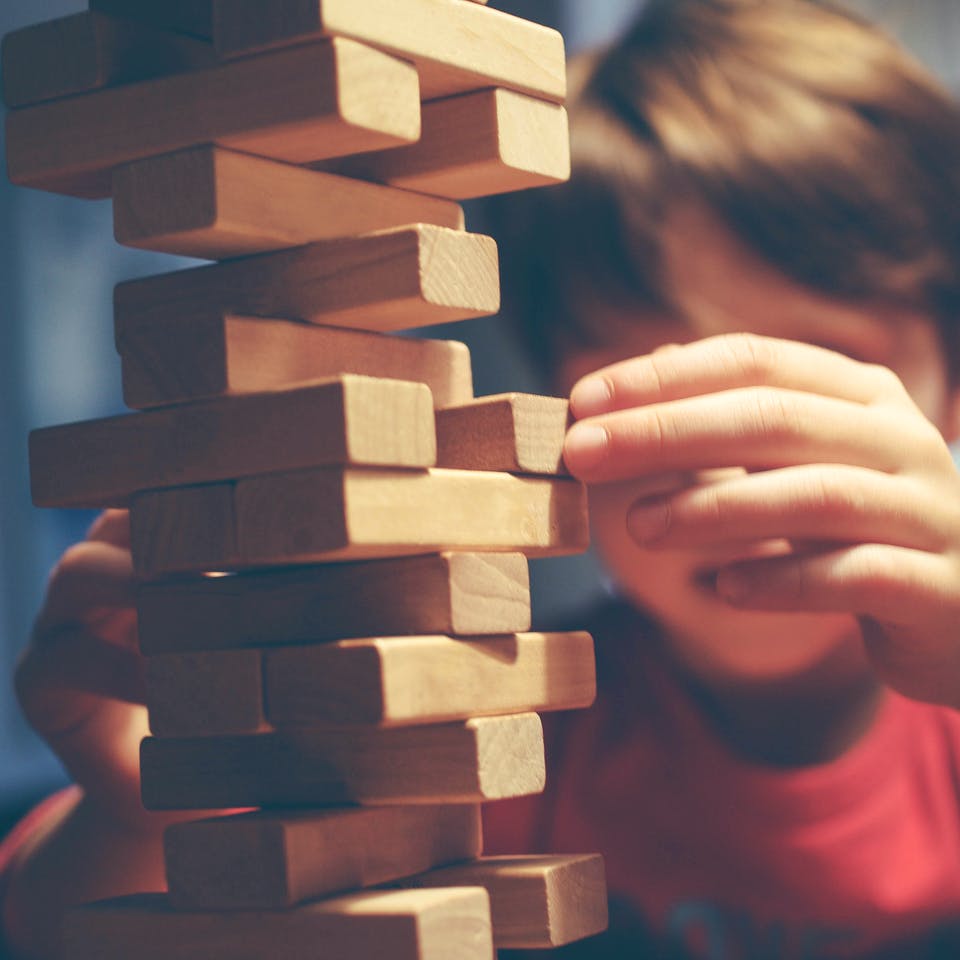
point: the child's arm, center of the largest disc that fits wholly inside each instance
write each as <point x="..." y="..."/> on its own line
<point x="837" y="456"/>
<point x="80" y="685"/>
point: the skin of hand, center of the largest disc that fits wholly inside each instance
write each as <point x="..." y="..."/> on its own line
<point x="80" y="684"/>
<point x="828" y="454"/>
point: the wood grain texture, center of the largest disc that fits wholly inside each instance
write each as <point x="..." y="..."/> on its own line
<point x="409" y="277"/>
<point x="402" y="681"/>
<point x="274" y="861"/>
<point x="536" y="902"/>
<point x="183" y="361"/>
<point x="350" y="419"/>
<point x="511" y="432"/>
<point x="454" y="593"/>
<point x="215" y="204"/>
<point x="455" y="46"/>
<point x="320" y="516"/>
<point x="476" y="145"/>
<point x="88" y="51"/>
<point x="483" y="759"/>
<point x="300" y="105"/>
<point x="193" y="17"/>
<point x="382" y="682"/>
<point x="206" y="694"/>
<point x="410" y="924"/>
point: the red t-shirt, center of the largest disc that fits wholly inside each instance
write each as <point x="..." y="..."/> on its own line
<point x="710" y="857"/>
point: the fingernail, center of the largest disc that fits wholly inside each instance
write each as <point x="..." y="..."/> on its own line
<point x="591" y="396"/>
<point x="586" y="447"/>
<point x="735" y="586"/>
<point x="648" y="522"/>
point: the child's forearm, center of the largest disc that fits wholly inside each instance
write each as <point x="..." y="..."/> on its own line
<point x="77" y="856"/>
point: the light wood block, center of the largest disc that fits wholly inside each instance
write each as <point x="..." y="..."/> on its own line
<point x="511" y="432"/>
<point x="183" y="361"/>
<point x="350" y="419"/>
<point x="453" y="593"/>
<point x="536" y="902"/>
<point x="274" y="861"/>
<point x="402" y="681"/>
<point x="206" y="694"/>
<point x="483" y="759"/>
<point x="185" y="16"/>
<point x="382" y="682"/>
<point x="456" y="46"/>
<point x="299" y="105"/>
<point x="409" y="277"/>
<point x="399" y="924"/>
<point x="476" y="145"/>
<point x="191" y="529"/>
<point x="321" y="516"/>
<point x="212" y="203"/>
<point x="88" y="51"/>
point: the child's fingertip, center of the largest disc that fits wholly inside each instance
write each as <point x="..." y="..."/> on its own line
<point x="591" y="396"/>
<point x="585" y="448"/>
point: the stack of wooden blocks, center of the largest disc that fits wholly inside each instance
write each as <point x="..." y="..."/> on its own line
<point x="329" y="530"/>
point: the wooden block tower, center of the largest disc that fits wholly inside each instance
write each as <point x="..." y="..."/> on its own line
<point x="330" y="531"/>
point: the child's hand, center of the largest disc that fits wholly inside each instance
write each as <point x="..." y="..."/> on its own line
<point x="80" y="680"/>
<point x="837" y="459"/>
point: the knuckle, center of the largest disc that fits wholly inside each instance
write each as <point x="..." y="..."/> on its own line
<point x="777" y="417"/>
<point x="886" y="382"/>
<point x="830" y="496"/>
<point x="752" y="356"/>
<point x="874" y="566"/>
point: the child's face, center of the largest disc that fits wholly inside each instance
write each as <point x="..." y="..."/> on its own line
<point x="721" y="287"/>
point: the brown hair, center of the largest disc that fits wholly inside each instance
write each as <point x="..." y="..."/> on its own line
<point x="815" y="137"/>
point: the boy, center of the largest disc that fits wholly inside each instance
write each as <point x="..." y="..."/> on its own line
<point x="773" y="189"/>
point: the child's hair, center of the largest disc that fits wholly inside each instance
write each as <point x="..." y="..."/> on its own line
<point x="824" y="147"/>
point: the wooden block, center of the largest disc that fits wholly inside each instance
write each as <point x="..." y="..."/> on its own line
<point x="476" y="145"/>
<point x="315" y="516"/>
<point x="511" y="432"/>
<point x="483" y="759"/>
<point x="185" y="16"/>
<point x="87" y="51"/>
<point x="184" y="361"/>
<point x="351" y="419"/>
<point x="402" y="924"/>
<point x="192" y="528"/>
<point x="300" y="105"/>
<point x="206" y="694"/>
<point x="456" y="46"/>
<point x="321" y="516"/>
<point x="382" y="682"/>
<point x="410" y="277"/>
<point x="403" y="681"/>
<point x="535" y="902"/>
<point x="453" y="593"/>
<point x="274" y="861"/>
<point x="215" y="204"/>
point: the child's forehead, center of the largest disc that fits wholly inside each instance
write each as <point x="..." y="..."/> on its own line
<point x="712" y="283"/>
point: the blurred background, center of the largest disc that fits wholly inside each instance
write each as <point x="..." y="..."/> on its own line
<point x="58" y="265"/>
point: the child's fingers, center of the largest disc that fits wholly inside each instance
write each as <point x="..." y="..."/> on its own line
<point x="892" y="584"/>
<point x="111" y="526"/>
<point x="906" y="601"/>
<point x="727" y="362"/>
<point x="91" y="575"/>
<point x="824" y="503"/>
<point x="61" y="677"/>
<point x="757" y="428"/>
